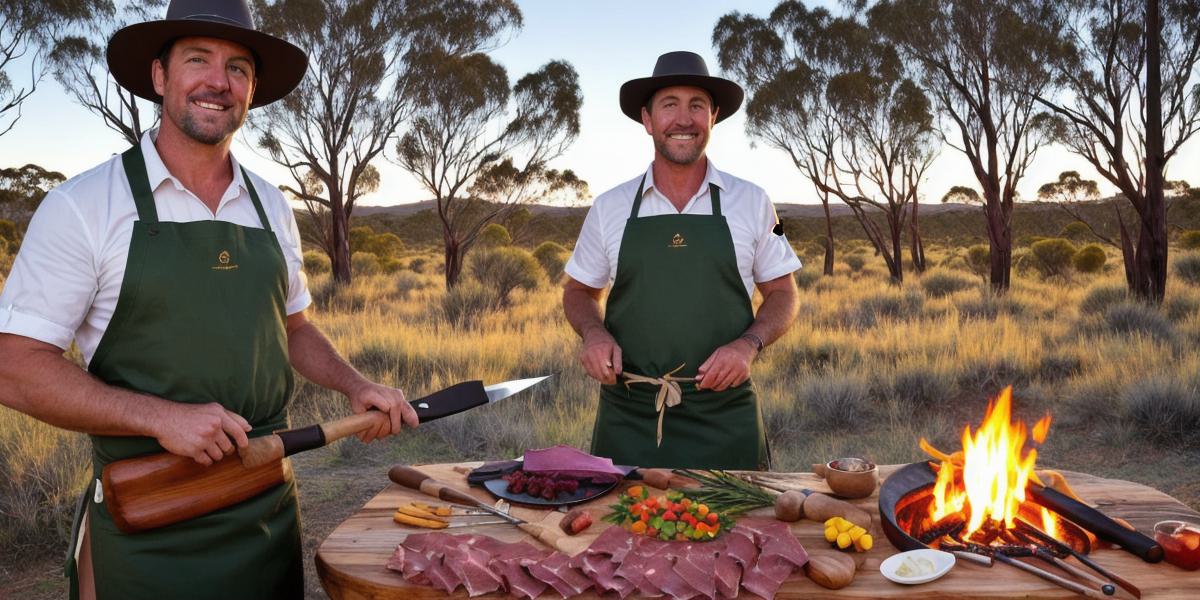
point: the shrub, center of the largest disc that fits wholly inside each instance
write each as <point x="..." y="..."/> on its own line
<point x="493" y="235"/>
<point x="806" y="278"/>
<point x="979" y="259"/>
<point x="406" y="282"/>
<point x="505" y="269"/>
<point x="1190" y="240"/>
<point x="316" y="262"/>
<point x="390" y="265"/>
<point x="855" y="261"/>
<point x="1187" y="268"/>
<point x="1137" y="318"/>
<point x="383" y="245"/>
<point x="552" y="257"/>
<point x="920" y="387"/>
<point x="465" y="303"/>
<point x="364" y="263"/>
<point x="943" y="283"/>
<point x="1099" y="298"/>
<point x="1089" y="259"/>
<point x="836" y="402"/>
<point x="1167" y="410"/>
<point x="1076" y="231"/>
<point x="417" y="265"/>
<point x="1053" y="256"/>
<point x="1179" y="308"/>
<point x="359" y="237"/>
<point x="891" y="304"/>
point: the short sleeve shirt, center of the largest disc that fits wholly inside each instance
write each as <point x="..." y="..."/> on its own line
<point x="763" y="252"/>
<point x="67" y="276"/>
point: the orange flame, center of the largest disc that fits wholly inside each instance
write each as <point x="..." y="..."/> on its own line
<point x="995" y="469"/>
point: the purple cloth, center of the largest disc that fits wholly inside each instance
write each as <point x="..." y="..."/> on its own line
<point x="572" y="462"/>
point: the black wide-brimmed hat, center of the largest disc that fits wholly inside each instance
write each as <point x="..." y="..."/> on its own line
<point x="281" y="65"/>
<point x="680" y="68"/>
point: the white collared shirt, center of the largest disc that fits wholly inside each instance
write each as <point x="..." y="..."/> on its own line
<point x="761" y="254"/>
<point x="67" y="276"/>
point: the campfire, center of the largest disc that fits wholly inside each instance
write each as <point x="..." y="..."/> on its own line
<point x="979" y="500"/>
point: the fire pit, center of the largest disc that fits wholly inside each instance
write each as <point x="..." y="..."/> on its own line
<point x="986" y="500"/>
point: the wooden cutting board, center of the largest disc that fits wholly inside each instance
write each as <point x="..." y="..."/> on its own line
<point x="351" y="560"/>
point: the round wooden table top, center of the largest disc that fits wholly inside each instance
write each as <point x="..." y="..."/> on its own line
<point x="351" y="560"/>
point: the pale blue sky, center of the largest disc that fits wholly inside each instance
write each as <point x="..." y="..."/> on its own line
<point x="608" y="42"/>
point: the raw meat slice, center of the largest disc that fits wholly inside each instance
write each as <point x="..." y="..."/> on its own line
<point x="728" y="575"/>
<point x="660" y="573"/>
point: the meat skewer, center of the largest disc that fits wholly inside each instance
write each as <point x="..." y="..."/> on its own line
<point x="1045" y="538"/>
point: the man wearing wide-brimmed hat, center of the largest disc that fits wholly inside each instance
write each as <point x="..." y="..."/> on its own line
<point x="178" y="275"/>
<point x="683" y="247"/>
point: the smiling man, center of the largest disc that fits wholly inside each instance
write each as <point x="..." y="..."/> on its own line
<point x="683" y="247"/>
<point x="177" y="273"/>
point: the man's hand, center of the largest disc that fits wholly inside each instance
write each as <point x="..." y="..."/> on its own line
<point x="204" y="432"/>
<point x="388" y="400"/>
<point x="729" y="366"/>
<point x="601" y="356"/>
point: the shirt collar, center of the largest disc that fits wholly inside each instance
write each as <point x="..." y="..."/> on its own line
<point x="712" y="175"/>
<point x="156" y="171"/>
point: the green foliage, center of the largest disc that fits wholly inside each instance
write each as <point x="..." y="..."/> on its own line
<point x="407" y="282"/>
<point x="1099" y="298"/>
<point x="807" y="277"/>
<point x="1167" y="410"/>
<point x="856" y="262"/>
<point x="552" y="257"/>
<point x="961" y="194"/>
<point x="1089" y="259"/>
<point x="1136" y="318"/>
<point x="1190" y="240"/>
<point x="835" y="402"/>
<point x="364" y="263"/>
<point x="505" y="269"/>
<point x="1053" y="256"/>
<point x="390" y="265"/>
<point x="316" y="262"/>
<point x="384" y="245"/>
<point x="1077" y="231"/>
<point x="494" y="235"/>
<point x="887" y="304"/>
<point x="979" y="259"/>
<point x="466" y="303"/>
<point x="943" y="283"/>
<point x="919" y="387"/>
<point x="1187" y="268"/>
<point x="1070" y="187"/>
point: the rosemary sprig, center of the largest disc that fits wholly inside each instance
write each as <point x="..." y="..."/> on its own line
<point x="726" y="493"/>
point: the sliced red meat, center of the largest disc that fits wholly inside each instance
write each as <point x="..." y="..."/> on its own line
<point x="660" y="572"/>
<point x="441" y="577"/>
<point x="471" y="566"/>
<point x="517" y="579"/>
<point x="603" y="571"/>
<point x="775" y="538"/>
<point x="728" y="575"/>
<point x="696" y="564"/>
<point x="556" y="571"/>
<point x="614" y="541"/>
<point x="741" y="547"/>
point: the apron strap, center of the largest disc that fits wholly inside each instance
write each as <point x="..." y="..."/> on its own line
<point x="139" y="183"/>
<point x="714" y="194"/>
<point x="258" y="207"/>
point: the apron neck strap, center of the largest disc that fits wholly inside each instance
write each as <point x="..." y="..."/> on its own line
<point x="143" y="197"/>
<point x="139" y="183"/>
<point x="714" y="194"/>
<point x="258" y="207"/>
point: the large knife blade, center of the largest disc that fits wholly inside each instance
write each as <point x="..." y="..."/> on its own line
<point x="467" y="395"/>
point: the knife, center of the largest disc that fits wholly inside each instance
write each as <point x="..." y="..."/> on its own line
<point x="449" y="401"/>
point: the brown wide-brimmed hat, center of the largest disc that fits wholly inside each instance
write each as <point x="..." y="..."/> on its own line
<point x="680" y="68"/>
<point x="281" y="65"/>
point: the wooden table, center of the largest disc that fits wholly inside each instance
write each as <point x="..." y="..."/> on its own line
<point x="350" y="561"/>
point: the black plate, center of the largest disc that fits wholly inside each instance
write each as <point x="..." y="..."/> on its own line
<point x="587" y="490"/>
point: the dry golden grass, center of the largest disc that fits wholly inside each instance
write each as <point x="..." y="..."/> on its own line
<point x="867" y="369"/>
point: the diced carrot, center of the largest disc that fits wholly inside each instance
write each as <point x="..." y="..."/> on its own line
<point x="639" y="527"/>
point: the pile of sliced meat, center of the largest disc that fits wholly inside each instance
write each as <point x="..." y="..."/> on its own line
<point x="757" y="555"/>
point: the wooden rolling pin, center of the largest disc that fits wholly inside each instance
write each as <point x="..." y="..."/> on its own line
<point x="552" y="536"/>
<point x="157" y="490"/>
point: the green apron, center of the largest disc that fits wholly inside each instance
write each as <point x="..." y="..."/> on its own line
<point x="200" y="318"/>
<point x="677" y="296"/>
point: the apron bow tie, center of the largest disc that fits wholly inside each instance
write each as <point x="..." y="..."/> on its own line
<point x="669" y="392"/>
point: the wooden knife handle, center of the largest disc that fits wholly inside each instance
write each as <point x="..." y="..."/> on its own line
<point x="416" y="480"/>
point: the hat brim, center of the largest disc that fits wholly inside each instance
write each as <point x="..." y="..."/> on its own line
<point x="133" y="49"/>
<point x="727" y="95"/>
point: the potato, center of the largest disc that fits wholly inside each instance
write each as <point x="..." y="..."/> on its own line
<point x="789" y="506"/>
<point x="832" y="571"/>
<point x="820" y="507"/>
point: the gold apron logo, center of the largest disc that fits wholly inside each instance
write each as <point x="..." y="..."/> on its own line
<point x="677" y="242"/>
<point x="223" y="262"/>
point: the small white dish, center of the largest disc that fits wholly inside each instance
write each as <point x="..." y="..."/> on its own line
<point x="942" y="563"/>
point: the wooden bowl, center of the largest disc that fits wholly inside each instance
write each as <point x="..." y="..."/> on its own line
<point x="849" y="483"/>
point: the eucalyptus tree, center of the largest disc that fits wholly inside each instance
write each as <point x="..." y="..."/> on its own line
<point x="1126" y="100"/>
<point x="78" y="63"/>
<point x="27" y="31"/>
<point x="1067" y="192"/>
<point x="482" y="147"/>
<point x="982" y="62"/>
<point x="363" y="58"/>
<point x="839" y="101"/>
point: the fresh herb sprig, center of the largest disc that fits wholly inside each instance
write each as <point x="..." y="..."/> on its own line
<point x="725" y="492"/>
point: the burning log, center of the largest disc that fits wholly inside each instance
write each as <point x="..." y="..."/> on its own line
<point x="951" y="525"/>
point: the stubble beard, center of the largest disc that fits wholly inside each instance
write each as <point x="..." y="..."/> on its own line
<point x="681" y="156"/>
<point x="208" y="134"/>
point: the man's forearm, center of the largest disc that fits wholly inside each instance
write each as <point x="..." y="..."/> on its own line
<point x="314" y="357"/>
<point x="37" y="380"/>
<point x="582" y="310"/>
<point x="777" y="312"/>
